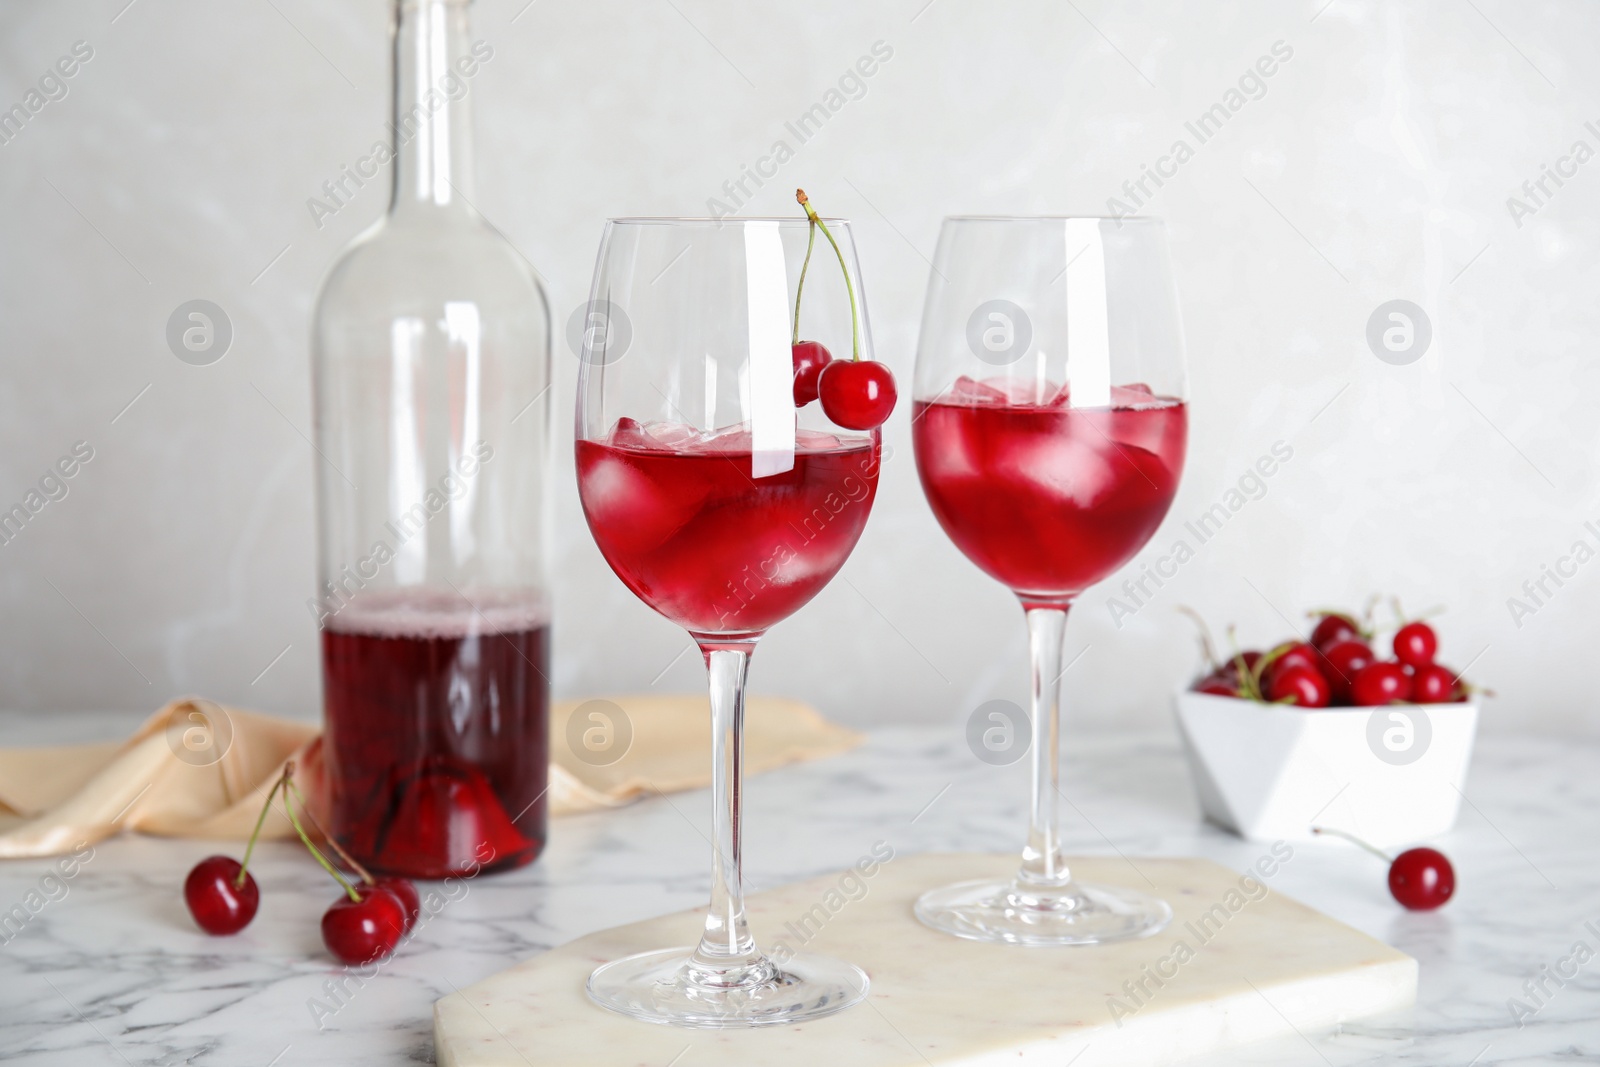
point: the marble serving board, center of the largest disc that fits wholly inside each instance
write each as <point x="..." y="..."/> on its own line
<point x="1239" y="963"/>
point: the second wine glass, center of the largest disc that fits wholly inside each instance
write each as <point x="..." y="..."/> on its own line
<point x="1049" y="429"/>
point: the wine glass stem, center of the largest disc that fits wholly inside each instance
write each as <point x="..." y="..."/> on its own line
<point x="1042" y="864"/>
<point x="726" y="948"/>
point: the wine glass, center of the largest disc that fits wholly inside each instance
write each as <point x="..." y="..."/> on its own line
<point x="725" y="509"/>
<point x="1049" y="428"/>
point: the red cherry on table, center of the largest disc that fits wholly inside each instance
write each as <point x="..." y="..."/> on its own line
<point x="1415" y="644"/>
<point x="1299" y="685"/>
<point x="1380" y="683"/>
<point x="1419" y="878"/>
<point x="405" y="891"/>
<point x="809" y="359"/>
<point x="1435" y="684"/>
<point x="218" y="903"/>
<point x="1334" y="627"/>
<point x="1422" y="879"/>
<point x="856" y="394"/>
<point x="1344" y="660"/>
<point x="366" y="929"/>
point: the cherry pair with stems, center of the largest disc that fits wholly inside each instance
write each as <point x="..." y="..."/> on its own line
<point x="364" y="925"/>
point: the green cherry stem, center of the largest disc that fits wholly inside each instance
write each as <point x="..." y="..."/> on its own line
<point x="1207" y="648"/>
<point x="305" y="809"/>
<point x="855" y="318"/>
<point x="288" y="809"/>
<point x="238" y="881"/>
<point x="811" y="242"/>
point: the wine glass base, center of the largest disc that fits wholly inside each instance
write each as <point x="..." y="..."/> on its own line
<point x="662" y="987"/>
<point x="1074" y="914"/>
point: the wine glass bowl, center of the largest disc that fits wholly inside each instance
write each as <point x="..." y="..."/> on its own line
<point x="1049" y="428"/>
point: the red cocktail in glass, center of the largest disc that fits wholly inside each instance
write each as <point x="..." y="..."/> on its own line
<point x="681" y="521"/>
<point x="726" y="479"/>
<point x="1044" y="497"/>
<point x="1049" y="431"/>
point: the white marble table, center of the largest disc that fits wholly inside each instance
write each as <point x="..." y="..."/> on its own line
<point x="114" y="972"/>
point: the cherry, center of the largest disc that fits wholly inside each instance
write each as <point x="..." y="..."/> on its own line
<point x="222" y="895"/>
<point x="441" y="816"/>
<point x="1235" y="677"/>
<point x="366" y="922"/>
<point x="1435" y="684"/>
<point x="1218" y="685"/>
<point x="363" y="925"/>
<point x="1344" y="660"/>
<point x="809" y="359"/>
<point x="1333" y="628"/>
<point x="1380" y="683"/>
<point x="1300" y="685"/>
<point x="220" y="892"/>
<point x="1415" y="644"/>
<point x="1288" y="656"/>
<point x="856" y="394"/>
<point x="405" y="891"/>
<point x="1422" y="879"/>
<point x="1248" y="659"/>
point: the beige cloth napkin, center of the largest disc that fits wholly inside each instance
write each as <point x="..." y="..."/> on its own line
<point x="195" y="769"/>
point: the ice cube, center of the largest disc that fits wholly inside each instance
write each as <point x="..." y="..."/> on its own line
<point x="1005" y="390"/>
<point x="815" y="441"/>
<point x="1137" y="395"/>
<point x="735" y="438"/>
<point x="671" y="435"/>
<point x="1088" y="470"/>
<point x="967" y="390"/>
<point x="1025" y="392"/>
<point x="631" y="502"/>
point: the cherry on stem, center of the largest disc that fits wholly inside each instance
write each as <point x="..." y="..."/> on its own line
<point x="1420" y="879"/>
<point x="316" y="853"/>
<point x="810" y="359"/>
<point x="220" y="892"/>
<point x="402" y="888"/>
<point x="1299" y="685"/>
<point x="857" y="395"/>
<point x="362" y="925"/>
<point x="809" y="356"/>
<point x="855" y="318"/>
<point x="221" y="895"/>
<point x="861" y="394"/>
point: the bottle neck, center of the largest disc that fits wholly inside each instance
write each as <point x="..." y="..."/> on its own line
<point x="432" y="124"/>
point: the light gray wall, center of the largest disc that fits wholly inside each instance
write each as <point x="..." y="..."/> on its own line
<point x="1376" y="165"/>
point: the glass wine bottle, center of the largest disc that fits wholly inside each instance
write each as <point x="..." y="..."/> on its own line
<point x="431" y="375"/>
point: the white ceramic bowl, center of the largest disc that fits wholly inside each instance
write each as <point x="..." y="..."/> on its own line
<point x="1392" y="776"/>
